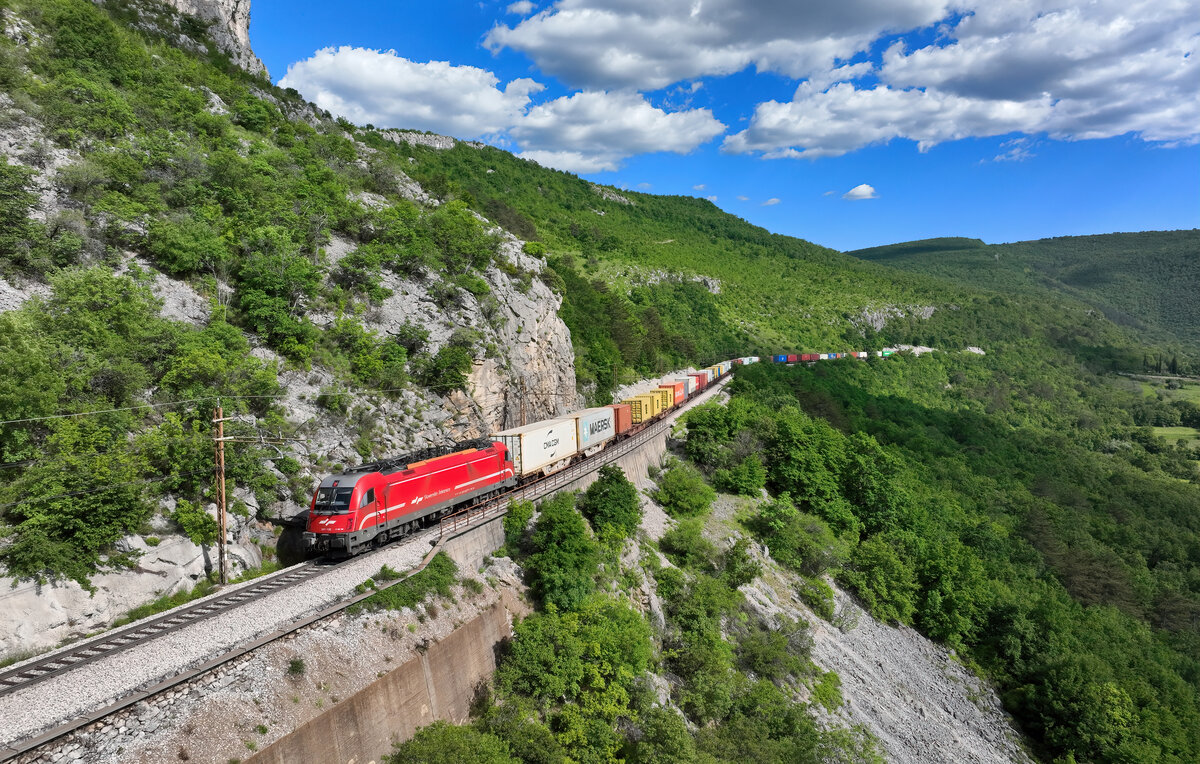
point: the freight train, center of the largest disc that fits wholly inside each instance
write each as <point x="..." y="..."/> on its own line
<point x="369" y="505"/>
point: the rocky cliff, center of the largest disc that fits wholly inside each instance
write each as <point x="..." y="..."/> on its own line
<point x="228" y="26"/>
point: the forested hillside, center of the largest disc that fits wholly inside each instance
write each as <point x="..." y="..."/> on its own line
<point x="1147" y="281"/>
<point x="1014" y="505"/>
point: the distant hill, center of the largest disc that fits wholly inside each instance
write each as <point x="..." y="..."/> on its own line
<point x="1147" y="281"/>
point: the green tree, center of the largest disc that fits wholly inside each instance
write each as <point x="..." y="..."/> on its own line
<point x="682" y="491"/>
<point x="562" y="565"/>
<point x="16" y="230"/>
<point x="445" y="743"/>
<point x="611" y="504"/>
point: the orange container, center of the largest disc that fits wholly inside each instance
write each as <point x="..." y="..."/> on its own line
<point x="622" y="416"/>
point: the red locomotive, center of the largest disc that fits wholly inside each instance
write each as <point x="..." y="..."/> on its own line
<point x="384" y="500"/>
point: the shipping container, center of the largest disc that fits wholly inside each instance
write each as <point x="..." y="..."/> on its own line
<point x="887" y="353"/>
<point x="594" y="428"/>
<point x="665" y="397"/>
<point x="810" y="357"/>
<point x="779" y="358"/>
<point x="689" y="385"/>
<point x="678" y="391"/>
<point x="656" y="402"/>
<point x="793" y="358"/>
<point x="860" y="354"/>
<point x="640" y="409"/>
<point x="622" y="419"/>
<point x="540" y="447"/>
<point x="701" y="378"/>
<point x="726" y="367"/>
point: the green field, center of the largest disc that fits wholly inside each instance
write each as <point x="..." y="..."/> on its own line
<point x="1173" y="434"/>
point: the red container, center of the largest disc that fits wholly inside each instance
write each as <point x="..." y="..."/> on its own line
<point x="678" y="391"/>
<point x="809" y="357"/>
<point x="701" y="381"/>
<point x="793" y="358"/>
<point x="623" y="416"/>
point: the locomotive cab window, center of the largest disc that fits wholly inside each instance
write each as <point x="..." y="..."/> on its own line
<point x="332" y="501"/>
<point x="368" y="497"/>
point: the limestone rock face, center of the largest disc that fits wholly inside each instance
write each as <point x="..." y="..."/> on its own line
<point x="230" y="28"/>
<point x="40" y="616"/>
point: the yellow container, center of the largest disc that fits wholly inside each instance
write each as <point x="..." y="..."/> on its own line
<point x="665" y="397"/>
<point x="639" y="409"/>
<point x="655" y="402"/>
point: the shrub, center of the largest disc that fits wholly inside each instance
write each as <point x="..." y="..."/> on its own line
<point x="682" y="491"/>
<point x="296" y="667"/>
<point x="196" y="523"/>
<point x="565" y="556"/>
<point x="445" y="743"/>
<point x="611" y="504"/>
<point x="886" y="583"/>
<point x="516" y="522"/>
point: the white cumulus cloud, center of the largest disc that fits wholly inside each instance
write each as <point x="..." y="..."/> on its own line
<point x="1071" y="71"/>
<point x="388" y="90"/>
<point x="861" y="191"/>
<point x="770" y="202"/>
<point x="699" y="187"/>
<point x="608" y="44"/>
<point x="586" y="132"/>
<point x="521" y="8"/>
<point x="606" y="128"/>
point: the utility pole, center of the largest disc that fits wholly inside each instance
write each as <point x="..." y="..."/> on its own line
<point x="522" y="401"/>
<point x="219" y="447"/>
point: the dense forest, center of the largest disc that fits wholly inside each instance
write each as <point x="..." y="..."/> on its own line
<point x="1016" y="505"/>
<point x="1145" y="280"/>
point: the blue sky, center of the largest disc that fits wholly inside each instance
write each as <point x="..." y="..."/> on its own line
<point x="853" y="124"/>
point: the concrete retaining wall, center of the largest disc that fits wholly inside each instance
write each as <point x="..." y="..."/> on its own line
<point x="436" y="685"/>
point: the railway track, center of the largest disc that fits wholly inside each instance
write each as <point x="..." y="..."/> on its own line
<point x="113" y="642"/>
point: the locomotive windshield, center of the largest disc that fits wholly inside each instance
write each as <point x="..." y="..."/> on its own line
<point x="332" y="501"/>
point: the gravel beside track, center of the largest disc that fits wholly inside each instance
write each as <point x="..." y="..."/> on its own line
<point x="29" y="711"/>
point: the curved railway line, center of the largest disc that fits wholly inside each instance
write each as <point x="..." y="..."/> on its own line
<point x="112" y="643"/>
<point x="109" y="643"/>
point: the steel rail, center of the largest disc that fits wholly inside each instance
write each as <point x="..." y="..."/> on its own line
<point x="449" y="527"/>
<point x="112" y="642"/>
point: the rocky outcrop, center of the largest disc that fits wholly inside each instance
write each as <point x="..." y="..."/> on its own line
<point x="41" y="616"/>
<point x="229" y="28"/>
<point x="877" y="318"/>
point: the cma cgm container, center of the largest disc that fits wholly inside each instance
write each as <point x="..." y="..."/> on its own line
<point x="689" y="385"/>
<point x="678" y="391"/>
<point x="544" y="447"/>
<point x="779" y="358"/>
<point x="621" y="417"/>
<point x="594" y="428"/>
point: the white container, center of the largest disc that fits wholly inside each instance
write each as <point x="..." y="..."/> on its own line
<point x="689" y="384"/>
<point x="594" y="428"/>
<point x="544" y="447"/>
